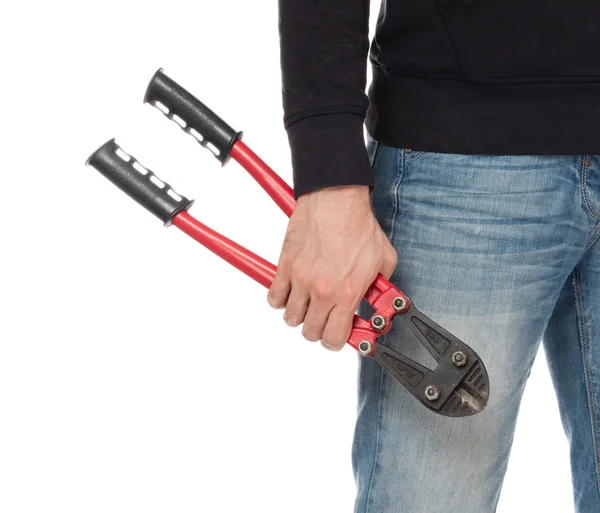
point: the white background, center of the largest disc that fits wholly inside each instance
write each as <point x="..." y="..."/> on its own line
<point x="139" y="373"/>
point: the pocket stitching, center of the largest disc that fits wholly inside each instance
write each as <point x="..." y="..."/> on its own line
<point x="396" y="194"/>
<point x="412" y="156"/>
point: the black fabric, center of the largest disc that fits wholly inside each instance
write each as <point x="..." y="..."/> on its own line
<point x="329" y="150"/>
<point x="454" y="76"/>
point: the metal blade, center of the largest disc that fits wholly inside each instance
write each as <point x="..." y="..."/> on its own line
<point x="457" y="387"/>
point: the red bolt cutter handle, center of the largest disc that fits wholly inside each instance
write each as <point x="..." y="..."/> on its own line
<point x="158" y="197"/>
<point x="224" y="142"/>
<point x="457" y="387"/>
<point x="249" y="263"/>
<point x="380" y="295"/>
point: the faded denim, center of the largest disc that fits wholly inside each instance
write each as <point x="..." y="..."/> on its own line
<point x="502" y="252"/>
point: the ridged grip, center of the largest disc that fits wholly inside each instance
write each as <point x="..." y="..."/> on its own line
<point x="137" y="182"/>
<point x="191" y="115"/>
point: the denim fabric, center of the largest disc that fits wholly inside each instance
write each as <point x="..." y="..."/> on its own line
<point x="502" y="252"/>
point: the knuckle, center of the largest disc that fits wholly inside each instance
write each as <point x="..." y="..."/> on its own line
<point x="322" y="289"/>
<point x="300" y="277"/>
<point x="348" y="296"/>
<point x="302" y="283"/>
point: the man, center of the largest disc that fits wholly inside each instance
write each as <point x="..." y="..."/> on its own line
<point x="482" y="173"/>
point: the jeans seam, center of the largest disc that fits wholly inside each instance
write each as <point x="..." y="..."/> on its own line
<point x="396" y="193"/>
<point x="377" y="431"/>
<point x="414" y="155"/>
<point x="585" y="164"/>
<point x="586" y="370"/>
<point x="593" y="238"/>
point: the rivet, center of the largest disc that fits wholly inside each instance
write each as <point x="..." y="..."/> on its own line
<point x="432" y="393"/>
<point x="365" y="347"/>
<point x="378" y="322"/>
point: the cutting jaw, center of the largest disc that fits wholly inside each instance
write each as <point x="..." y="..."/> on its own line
<point x="457" y="387"/>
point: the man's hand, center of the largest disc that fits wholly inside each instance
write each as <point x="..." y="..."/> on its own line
<point x="332" y="252"/>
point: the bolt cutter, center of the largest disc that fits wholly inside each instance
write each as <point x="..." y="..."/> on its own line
<point x="457" y="387"/>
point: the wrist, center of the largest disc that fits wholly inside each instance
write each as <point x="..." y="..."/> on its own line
<point x="338" y="193"/>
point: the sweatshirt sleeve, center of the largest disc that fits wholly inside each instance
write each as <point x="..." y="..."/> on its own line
<point x="324" y="46"/>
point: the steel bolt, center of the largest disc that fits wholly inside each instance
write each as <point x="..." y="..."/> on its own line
<point x="365" y="347"/>
<point x="459" y="358"/>
<point x="378" y="322"/>
<point x="432" y="392"/>
<point x="399" y="304"/>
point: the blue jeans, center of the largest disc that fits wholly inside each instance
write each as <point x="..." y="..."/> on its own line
<point x="502" y="252"/>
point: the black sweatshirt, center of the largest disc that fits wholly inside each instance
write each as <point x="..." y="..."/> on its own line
<point x="453" y="76"/>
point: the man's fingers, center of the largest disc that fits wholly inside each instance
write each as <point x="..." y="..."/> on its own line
<point x="338" y="328"/>
<point x="279" y="290"/>
<point x="315" y="320"/>
<point x="297" y="305"/>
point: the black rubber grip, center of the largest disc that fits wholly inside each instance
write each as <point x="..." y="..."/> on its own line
<point x="191" y="115"/>
<point x="139" y="183"/>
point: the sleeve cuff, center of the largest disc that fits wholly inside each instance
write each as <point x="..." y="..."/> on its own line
<point x="328" y="150"/>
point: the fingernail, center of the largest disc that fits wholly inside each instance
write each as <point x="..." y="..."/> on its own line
<point x="272" y="302"/>
<point x="290" y="322"/>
